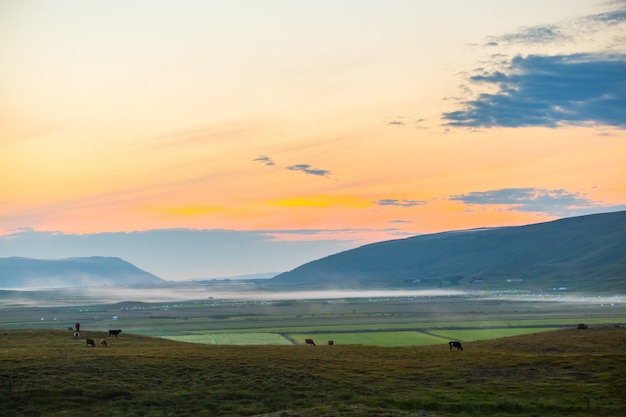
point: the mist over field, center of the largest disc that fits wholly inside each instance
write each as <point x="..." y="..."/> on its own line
<point x="33" y="297"/>
<point x="104" y="295"/>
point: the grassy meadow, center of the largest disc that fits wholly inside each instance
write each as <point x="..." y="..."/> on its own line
<point x="248" y="358"/>
<point x="552" y="373"/>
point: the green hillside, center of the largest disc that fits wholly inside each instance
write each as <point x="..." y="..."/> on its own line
<point x="584" y="254"/>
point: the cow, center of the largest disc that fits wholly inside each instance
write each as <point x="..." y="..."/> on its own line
<point x="456" y="345"/>
<point x="77" y="325"/>
<point x="103" y="342"/>
<point x="90" y="342"/>
<point x="76" y="335"/>
<point x="331" y="342"/>
<point x="309" y="342"/>
<point x="114" y="333"/>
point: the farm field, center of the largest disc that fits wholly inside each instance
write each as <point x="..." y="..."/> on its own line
<point x="384" y="321"/>
<point x="553" y="373"/>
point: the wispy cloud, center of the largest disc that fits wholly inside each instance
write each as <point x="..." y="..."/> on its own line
<point x="566" y="31"/>
<point x="556" y="202"/>
<point x="532" y="35"/>
<point x="404" y="121"/>
<point x="612" y="17"/>
<point x="308" y="170"/>
<point x="549" y="91"/>
<point x="399" y="203"/>
<point x="265" y="160"/>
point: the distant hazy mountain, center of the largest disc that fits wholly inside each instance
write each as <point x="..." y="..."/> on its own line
<point x="580" y="253"/>
<point x="72" y="272"/>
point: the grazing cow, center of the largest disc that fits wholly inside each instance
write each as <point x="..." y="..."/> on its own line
<point x="114" y="333"/>
<point x="77" y="325"/>
<point x="456" y="345"/>
<point x="76" y="335"/>
<point x="309" y="342"/>
<point x="103" y="342"/>
<point x="331" y="342"/>
<point x="91" y="342"/>
<point x="581" y="326"/>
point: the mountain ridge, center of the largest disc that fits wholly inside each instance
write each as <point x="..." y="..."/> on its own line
<point x="20" y="272"/>
<point x="540" y="255"/>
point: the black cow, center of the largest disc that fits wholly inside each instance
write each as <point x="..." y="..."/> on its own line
<point x="331" y="342"/>
<point x="309" y="342"/>
<point x="91" y="342"/>
<point x="114" y="333"/>
<point x="456" y="345"/>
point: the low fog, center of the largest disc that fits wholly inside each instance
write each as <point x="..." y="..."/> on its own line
<point x="107" y="295"/>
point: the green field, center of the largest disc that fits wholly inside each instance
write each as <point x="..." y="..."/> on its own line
<point x="372" y="338"/>
<point x="472" y="335"/>
<point x="389" y="321"/>
<point x="375" y="338"/>
<point x="233" y="339"/>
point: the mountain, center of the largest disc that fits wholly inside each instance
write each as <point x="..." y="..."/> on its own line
<point x="579" y="253"/>
<point x="72" y="272"/>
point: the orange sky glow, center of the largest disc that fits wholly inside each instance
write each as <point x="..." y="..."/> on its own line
<point x="309" y="120"/>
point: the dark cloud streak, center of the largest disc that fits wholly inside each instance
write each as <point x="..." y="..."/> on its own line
<point x="533" y="35"/>
<point x="265" y="160"/>
<point x="308" y="170"/>
<point x="399" y="203"/>
<point x="556" y="202"/>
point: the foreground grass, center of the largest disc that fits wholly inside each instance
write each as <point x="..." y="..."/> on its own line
<point x="564" y="372"/>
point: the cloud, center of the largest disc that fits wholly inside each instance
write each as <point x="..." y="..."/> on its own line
<point x="553" y="90"/>
<point x="566" y="31"/>
<point x="399" y="203"/>
<point x="537" y="200"/>
<point x="611" y="18"/>
<point x="265" y="160"/>
<point x="308" y="170"/>
<point x="537" y="90"/>
<point x="533" y="35"/>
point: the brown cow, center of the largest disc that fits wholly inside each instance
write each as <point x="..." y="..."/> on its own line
<point x="103" y="342"/>
<point x="331" y="342"/>
<point x="90" y="342"/>
<point x="77" y="325"/>
<point x="309" y="342"/>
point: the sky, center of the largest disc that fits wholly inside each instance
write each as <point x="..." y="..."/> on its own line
<point x="212" y="138"/>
